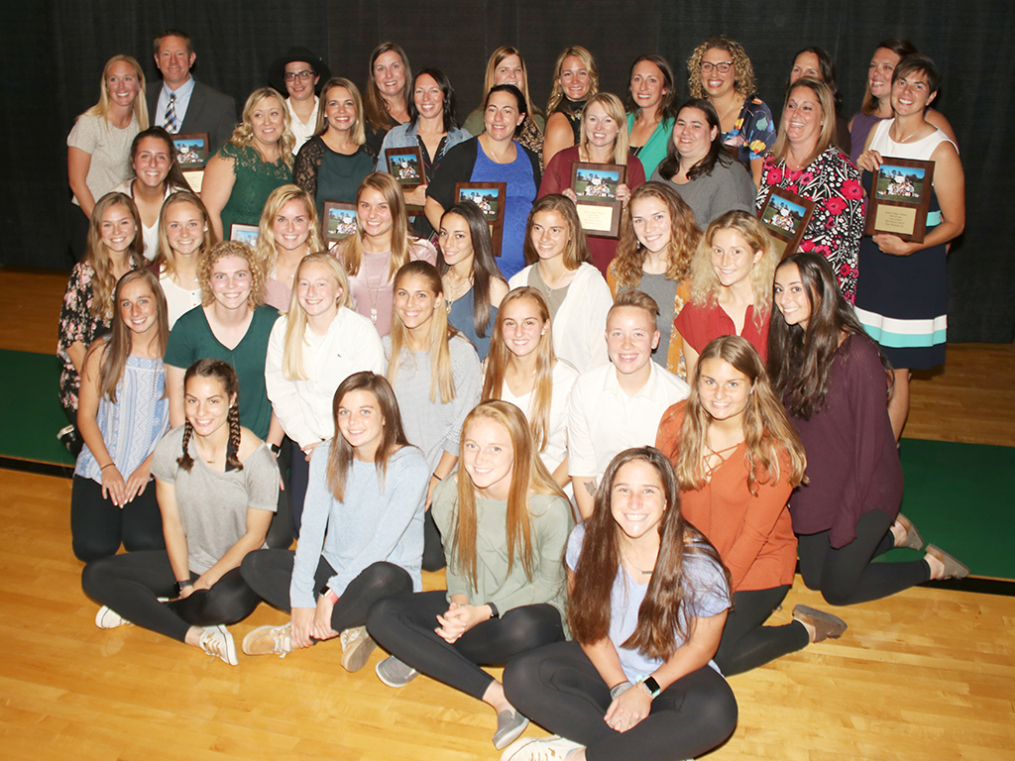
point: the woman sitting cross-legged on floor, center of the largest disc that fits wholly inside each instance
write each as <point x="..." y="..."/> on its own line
<point x="505" y="523"/>
<point x="217" y="486"/>
<point x="362" y="535"/>
<point x="647" y="600"/>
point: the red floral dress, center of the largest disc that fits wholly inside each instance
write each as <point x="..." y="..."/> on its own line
<point x="832" y="182"/>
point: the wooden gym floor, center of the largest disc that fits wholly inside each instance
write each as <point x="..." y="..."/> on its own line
<point x="927" y="674"/>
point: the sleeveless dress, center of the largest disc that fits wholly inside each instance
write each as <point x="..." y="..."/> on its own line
<point x="572" y="109"/>
<point x="902" y="301"/>
<point x="255" y="179"/>
<point x="460" y="315"/>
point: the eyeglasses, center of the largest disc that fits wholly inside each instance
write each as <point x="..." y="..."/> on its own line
<point x="290" y="76"/>
<point x="722" y="67"/>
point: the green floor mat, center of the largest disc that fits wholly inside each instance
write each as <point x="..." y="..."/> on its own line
<point x="31" y="413"/>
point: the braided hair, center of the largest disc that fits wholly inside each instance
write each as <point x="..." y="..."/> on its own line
<point x="226" y="375"/>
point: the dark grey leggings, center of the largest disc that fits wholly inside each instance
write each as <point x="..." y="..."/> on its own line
<point x="746" y="642"/>
<point x="130" y="585"/>
<point x="269" y="573"/>
<point x="560" y="689"/>
<point x="404" y="626"/>
<point x="846" y="576"/>
<point x="97" y="526"/>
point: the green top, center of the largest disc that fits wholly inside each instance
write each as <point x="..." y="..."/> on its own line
<point x="255" y="179"/>
<point x="551" y="524"/>
<point x="654" y="151"/>
<point x="192" y="339"/>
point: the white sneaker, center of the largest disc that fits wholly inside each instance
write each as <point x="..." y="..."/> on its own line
<point x="552" y="748"/>
<point x="107" y="618"/>
<point x="394" y="673"/>
<point x="268" y="640"/>
<point x="356" y="648"/>
<point x="217" y="641"/>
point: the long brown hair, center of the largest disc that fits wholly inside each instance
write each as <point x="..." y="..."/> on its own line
<point x="340" y="456"/>
<point x="799" y="359"/>
<point x="376" y="111"/>
<point x="684" y="237"/>
<point x="117" y="348"/>
<point x="500" y="355"/>
<point x="442" y="378"/>
<point x="226" y="375"/>
<point x="504" y="51"/>
<point x="577" y="249"/>
<point x="359" y="135"/>
<point x="661" y="617"/>
<point x="767" y="432"/>
<point x="901" y="47"/>
<point x="350" y="251"/>
<point x="826" y="101"/>
<point x="97" y="255"/>
<point x="528" y="476"/>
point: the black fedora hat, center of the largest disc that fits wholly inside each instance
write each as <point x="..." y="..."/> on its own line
<point x="276" y="72"/>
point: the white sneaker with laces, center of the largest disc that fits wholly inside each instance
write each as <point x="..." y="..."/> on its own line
<point x="217" y="641"/>
<point x="552" y="748"/>
<point x="107" y="618"/>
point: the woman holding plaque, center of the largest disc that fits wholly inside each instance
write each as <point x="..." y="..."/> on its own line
<point x="494" y="156"/>
<point x="603" y="140"/>
<point x="805" y="161"/>
<point x="701" y="170"/>
<point x="902" y="295"/>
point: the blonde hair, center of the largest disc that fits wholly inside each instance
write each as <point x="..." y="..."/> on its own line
<point x="221" y="250"/>
<point x="500" y="356"/>
<point x="743" y="83"/>
<point x="243" y="135"/>
<point x="97" y="255"/>
<point x="528" y="476"/>
<point x="684" y="236"/>
<point x="577" y="249"/>
<point x="768" y="433"/>
<point x="167" y="259"/>
<point x="266" y="248"/>
<point x="293" y="367"/>
<point x="440" y="333"/>
<point x="505" y="51"/>
<point x="140" y="104"/>
<point x="350" y="251"/>
<point x="615" y="110"/>
<point x="359" y="134"/>
<point x="583" y="55"/>
<point x="705" y="283"/>
<point x="826" y="100"/>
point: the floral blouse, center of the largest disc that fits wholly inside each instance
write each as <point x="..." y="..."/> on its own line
<point x="833" y="184"/>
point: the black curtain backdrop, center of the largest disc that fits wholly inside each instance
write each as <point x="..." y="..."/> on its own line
<point x="52" y="55"/>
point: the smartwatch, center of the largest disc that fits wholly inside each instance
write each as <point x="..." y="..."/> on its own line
<point x="651" y="686"/>
<point x="494" y="613"/>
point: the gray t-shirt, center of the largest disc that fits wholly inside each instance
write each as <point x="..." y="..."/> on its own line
<point x="728" y="188"/>
<point x="664" y="293"/>
<point x="213" y="506"/>
<point x="554" y="296"/>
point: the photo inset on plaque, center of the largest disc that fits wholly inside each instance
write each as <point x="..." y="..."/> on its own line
<point x="339" y="221"/>
<point x="900" y="183"/>
<point x="784" y="216"/>
<point x="406" y="166"/>
<point x="487" y="199"/>
<point x="596" y="184"/>
<point x="191" y="149"/>
<point x="244" y="233"/>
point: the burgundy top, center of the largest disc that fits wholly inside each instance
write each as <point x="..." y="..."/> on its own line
<point x="698" y="324"/>
<point x="557" y="178"/>
<point x="852" y="460"/>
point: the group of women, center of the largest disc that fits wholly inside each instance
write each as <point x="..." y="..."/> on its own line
<point x="406" y="411"/>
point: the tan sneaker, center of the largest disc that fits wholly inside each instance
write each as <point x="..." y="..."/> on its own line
<point x="356" y="648"/>
<point x="268" y="640"/>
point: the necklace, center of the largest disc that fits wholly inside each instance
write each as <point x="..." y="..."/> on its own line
<point x="631" y="564"/>
<point x="726" y="113"/>
<point x="451" y="295"/>
<point x="374" y="283"/>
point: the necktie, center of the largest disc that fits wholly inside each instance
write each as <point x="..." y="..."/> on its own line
<point x="171" y="125"/>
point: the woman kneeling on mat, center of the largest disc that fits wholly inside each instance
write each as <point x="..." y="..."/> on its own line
<point x="362" y="535"/>
<point x="505" y="523"/>
<point x="834" y="383"/>
<point x="737" y="459"/>
<point x="217" y="486"/>
<point x="647" y="602"/>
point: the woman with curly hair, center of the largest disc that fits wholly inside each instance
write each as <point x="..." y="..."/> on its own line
<point x="289" y="230"/>
<point x="805" y="161"/>
<point x="217" y="486"/>
<point x="731" y="291"/>
<point x="657" y="241"/>
<point x="257" y="159"/>
<point x="647" y="599"/>
<point x="720" y="70"/>
<point x="574" y="79"/>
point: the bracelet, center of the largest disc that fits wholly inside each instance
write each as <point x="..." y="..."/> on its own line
<point x="619" y="689"/>
<point x="181" y="584"/>
<point x="330" y="596"/>
<point x="434" y="475"/>
<point x="107" y="465"/>
<point x="494" y="613"/>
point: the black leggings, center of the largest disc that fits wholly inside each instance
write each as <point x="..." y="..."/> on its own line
<point x="560" y="689"/>
<point x="130" y="585"/>
<point x="846" y="576"/>
<point x="746" y="643"/>
<point x="296" y="484"/>
<point x="433" y="548"/>
<point x="97" y="526"/>
<point x="404" y="626"/>
<point x="269" y="573"/>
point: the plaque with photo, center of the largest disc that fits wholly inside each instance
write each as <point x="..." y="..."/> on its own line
<point x="899" y="199"/>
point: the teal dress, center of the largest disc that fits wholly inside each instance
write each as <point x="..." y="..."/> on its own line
<point x="255" y="179"/>
<point x="654" y="151"/>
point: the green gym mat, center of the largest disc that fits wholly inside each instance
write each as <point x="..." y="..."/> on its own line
<point x="960" y="496"/>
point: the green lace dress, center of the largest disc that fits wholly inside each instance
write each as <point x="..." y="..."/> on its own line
<point x="255" y="179"/>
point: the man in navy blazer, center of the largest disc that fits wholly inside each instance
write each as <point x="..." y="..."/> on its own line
<point x="196" y="107"/>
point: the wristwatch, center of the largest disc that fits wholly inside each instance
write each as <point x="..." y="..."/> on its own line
<point x="651" y="686"/>
<point x="494" y="613"/>
<point x="326" y="591"/>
